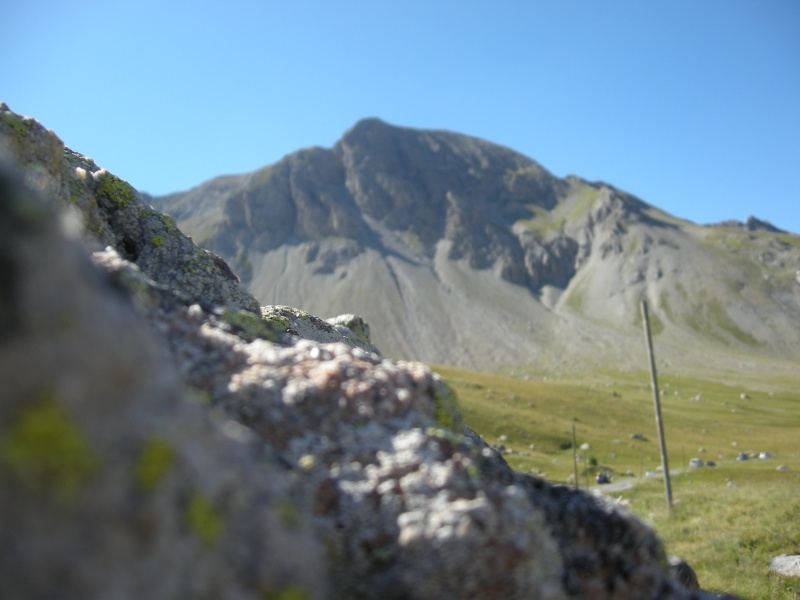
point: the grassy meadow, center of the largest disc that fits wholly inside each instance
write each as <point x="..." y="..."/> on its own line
<point x="727" y="521"/>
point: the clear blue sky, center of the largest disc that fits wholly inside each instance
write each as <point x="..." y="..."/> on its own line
<point x="692" y="105"/>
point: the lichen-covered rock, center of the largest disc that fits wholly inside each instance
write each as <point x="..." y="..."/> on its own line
<point x="113" y="480"/>
<point x="112" y="213"/>
<point x="408" y="507"/>
<point x="117" y="481"/>
<point x="349" y="325"/>
<point x="349" y="329"/>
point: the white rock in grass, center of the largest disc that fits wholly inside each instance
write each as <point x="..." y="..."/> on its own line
<point x="787" y="565"/>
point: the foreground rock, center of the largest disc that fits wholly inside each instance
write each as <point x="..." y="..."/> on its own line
<point x="161" y="441"/>
<point x="113" y="480"/>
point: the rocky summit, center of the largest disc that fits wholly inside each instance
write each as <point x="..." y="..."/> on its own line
<point x="161" y="437"/>
<point x="458" y="251"/>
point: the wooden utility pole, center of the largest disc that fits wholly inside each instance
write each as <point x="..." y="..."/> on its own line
<point x="657" y="402"/>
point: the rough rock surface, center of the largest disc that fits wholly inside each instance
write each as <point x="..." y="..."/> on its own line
<point x="156" y="444"/>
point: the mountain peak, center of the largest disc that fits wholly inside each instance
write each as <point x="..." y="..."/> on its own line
<point x="369" y="122"/>
<point x="367" y="128"/>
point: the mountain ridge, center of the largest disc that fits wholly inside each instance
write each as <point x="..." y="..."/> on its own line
<point x="429" y="234"/>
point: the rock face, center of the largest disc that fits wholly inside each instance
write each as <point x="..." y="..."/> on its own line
<point x="158" y="444"/>
<point x="459" y="251"/>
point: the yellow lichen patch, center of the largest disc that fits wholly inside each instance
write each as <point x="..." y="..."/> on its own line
<point x="202" y="519"/>
<point x="288" y="514"/>
<point x="46" y="450"/>
<point x="290" y="592"/>
<point x="155" y="461"/>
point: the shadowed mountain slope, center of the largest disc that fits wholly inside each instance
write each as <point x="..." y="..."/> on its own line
<point x="460" y="251"/>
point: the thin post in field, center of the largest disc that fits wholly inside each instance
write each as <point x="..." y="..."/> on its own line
<point x="657" y="403"/>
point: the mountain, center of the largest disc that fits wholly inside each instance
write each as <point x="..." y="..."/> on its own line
<point x="463" y="252"/>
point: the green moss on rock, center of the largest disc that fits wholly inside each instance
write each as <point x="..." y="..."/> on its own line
<point x="251" y="325"/>
<point x="444" y="434"/>
<point x="298" y="314"/>
<point x="17" y="125"/>
<point x="155" y="461"/>
<point x="288" y="514"/>
<point x="290" y="592"/>
<point x="448" y="413"/>
<point x="203" y="520"/>
<point x="279" y="322"/>
<point x="167" y="222"/>
<point x="113" y="188"/>
<point x="46" y="450"/>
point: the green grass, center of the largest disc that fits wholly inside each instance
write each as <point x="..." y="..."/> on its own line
<point x="543" y="222"/>
<point x="728" y="239"/>
<point x="728" y="522"/>
<point x="789" y="238"/>
<point x="587" y="196"/>
<point x="745" y="248"/>
<point x="576" y="296"/>
<point x="711" y="319"/>
<point x="726" y="532"/>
